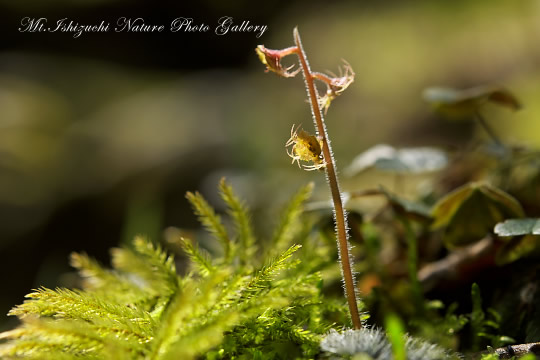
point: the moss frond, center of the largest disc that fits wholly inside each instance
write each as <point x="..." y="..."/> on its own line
<point x="289" y="224"/>
<point x="193" y="344"/>
<point x="141" y="309"/>
<point x="107" y="283"/>
<point x="95" y="275"/>
<point x="154" y="269"/>
<point x="158" y="260"/>
<point x="242" y="223"/>
<point x="267" y="273"/>
<point x="69" y="304"/>
<point x="305" y="285"/>
<point x="58" y="339"/>
<point x="189" y="326"/>
<point x="211" y="222"/>
<point x="200" y="259"/>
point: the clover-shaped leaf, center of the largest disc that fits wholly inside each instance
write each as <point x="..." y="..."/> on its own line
<point x="516" y="227"/>
<point x="411" y="210"/>
<point x="517" y="248"/>
<point x="470" y="212"/>
<point x="470" y="100"/>
<point x="527" y="239"/>
<point x="405" y="160"/>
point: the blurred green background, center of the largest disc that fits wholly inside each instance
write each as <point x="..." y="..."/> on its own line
<point x="101" y="136"/>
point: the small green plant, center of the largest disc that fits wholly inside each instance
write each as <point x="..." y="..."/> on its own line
<point x="485" y="326"/>
<point x="241" y="304"/>
<point x="394" y="328"/>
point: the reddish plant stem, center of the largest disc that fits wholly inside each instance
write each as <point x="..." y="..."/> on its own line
<point x="339" y="211"/>
<point x="322" y="77"/>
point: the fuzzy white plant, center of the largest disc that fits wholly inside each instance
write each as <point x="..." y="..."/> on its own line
<point x="374" y="344"/>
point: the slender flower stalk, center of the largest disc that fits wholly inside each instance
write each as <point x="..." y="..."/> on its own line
<point x="316" y="149"/>
<point x="331" y="176"/>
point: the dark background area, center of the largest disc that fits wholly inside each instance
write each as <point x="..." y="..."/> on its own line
<point x="164" y="50"/>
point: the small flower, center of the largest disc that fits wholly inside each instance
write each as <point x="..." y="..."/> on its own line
<point x="272" y="60"/>
<point x="305" y="147"/>
<point x="335" y="85"/>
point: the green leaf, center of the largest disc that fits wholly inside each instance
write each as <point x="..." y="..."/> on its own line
<point x="490" y="357"/>
<point x="405" y="160"/>
<point x="528" y="357"/>
<point x="505" y="340"/>
<point x="396" y="332"/>
<point x="468" y="101"/>
<point x="471" y="211"/>
<point x="515" y="227"/>
<point x="410" y="209"/>
<point x="517" y="248"/>
<point x="414" y="160"/>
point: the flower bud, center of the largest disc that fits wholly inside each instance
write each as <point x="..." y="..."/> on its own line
<point x="272" y="60"/>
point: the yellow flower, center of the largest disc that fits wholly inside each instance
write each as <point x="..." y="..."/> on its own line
<point x="305" y="147"/>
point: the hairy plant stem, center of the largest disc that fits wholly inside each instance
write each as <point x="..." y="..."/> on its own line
<point x="339" y="211"/>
